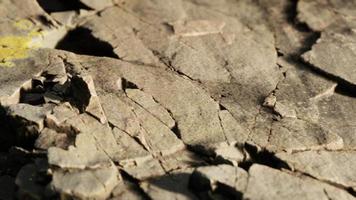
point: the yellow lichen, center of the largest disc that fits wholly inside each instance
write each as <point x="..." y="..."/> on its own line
<point x="24" y="24"/>
<point x="13" y="47"/>
<point x="17" y="47"/>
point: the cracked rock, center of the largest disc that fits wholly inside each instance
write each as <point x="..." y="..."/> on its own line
<point x="178" y="99"/>
<point x="84" y="92"/>
<point x="86" y="184"/>
<point x="320" y="14"/>
<point x="334" y="53"/>
<point x="172" y="186"/>
<point x="223" y="178"/>
<point x="148" y="103"/>
<point x="82" y="174"/>
<point x="297" y="101"/>
<point x="126" y="190"/>
<point x="268" y="183"/>
<point x="324" y="165"/>
<point x="146" y="169"/>
<point x="49" y="138"/>
<point x="77" y="157"/>
<point x="25" y="122"/>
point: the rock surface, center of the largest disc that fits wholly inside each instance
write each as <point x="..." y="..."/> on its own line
<point x="178" y="99"/>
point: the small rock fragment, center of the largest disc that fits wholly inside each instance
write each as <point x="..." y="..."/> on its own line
<point x="50" y="138"/>
<point x="229" y="153"/>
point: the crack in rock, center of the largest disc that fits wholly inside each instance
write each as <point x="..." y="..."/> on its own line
<point x="179" y="99"/>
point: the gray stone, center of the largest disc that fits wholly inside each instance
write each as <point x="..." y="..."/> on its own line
<point x="172" y="186"/>
<point x="130" y="152"/>
<point x="210" y="178"/>
<point x="27" y="120"/>
<point x="336" y="167"/>
<point x="86" y="184"/>
<point x="268" y="183"/>
<point x="320" y="14"/>
<point x="175" y="96"/>
<point x="126" y="190"/>
<point x="148" y="103"/>
<point x="49" y="138"/>
<point x="146" y="169"/>
<point x="334" y="53"/>
<point x="300" y="124"/>
<point x="77" y="157"/>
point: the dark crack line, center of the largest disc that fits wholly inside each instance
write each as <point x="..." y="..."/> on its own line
<point x="223" y="130"/>
<point x="153" y="115"/>
<point x="347" y="189"/>
<point x="134" y="138"/>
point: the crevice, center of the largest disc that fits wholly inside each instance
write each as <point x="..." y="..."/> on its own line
<point x="62" y="5"/>
<point x="351" y="191"/>
<point x="81" y="41"/>
<point x="270" y="132"/>
<point x="203" y="188"/>
<point x="204" y="154"/>
<point x="336" y="185"/>
<point x="168" y="63"/>
<point x="223" y="129"/>
<point x="176" y="131"/>
<point x="112" y="126"/>
<point x="80" y="92"/>
<point x="343" y="87"/>
<point x="126" y="84"/>
<point x="291" y="13"/>
<point x="263" y="157"/>
<point x="22" y="132"/>
<point x="127" y="177"/>
<point x="308" y="42"/>
<point x="8" y="134"/>
<point x="291" y="16"/>
<point x="327" y="195"/>
<point x="221" y="107"/>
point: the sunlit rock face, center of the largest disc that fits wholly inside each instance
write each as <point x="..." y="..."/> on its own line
<point x="177" y="99"/>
